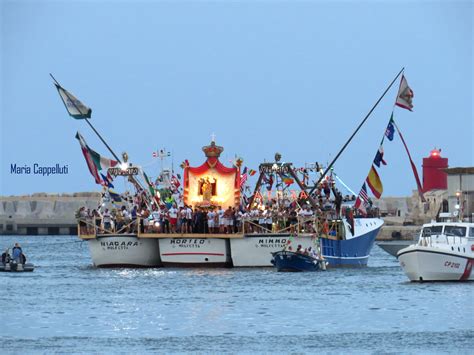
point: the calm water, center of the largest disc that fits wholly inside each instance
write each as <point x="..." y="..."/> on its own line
<point x="66" y="305"/>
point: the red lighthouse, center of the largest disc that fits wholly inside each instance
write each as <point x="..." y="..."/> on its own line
<point x="434" y="176"/>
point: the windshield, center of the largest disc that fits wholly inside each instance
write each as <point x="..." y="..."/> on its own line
<point x="456" y="231"/>
<point x="432" y="230"/>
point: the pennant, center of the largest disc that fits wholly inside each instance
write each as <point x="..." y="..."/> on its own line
<point x="405" y="95"/>
<point x="390" y="131"/>
<point x="90" y="162"/>
<point x="374" y="182"/>
<point x="74" y="107"/>
<point x="413" y="167"/>
<point x="106" y="181"/>
<point x="379" y="157"/>
<point x="252" y="172"/>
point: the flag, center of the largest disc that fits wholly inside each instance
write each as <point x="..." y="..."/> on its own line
<point x="175" y="181"/>
<point x="288" y="181"/>
<point x="115" y="196"/>
<point x="243" y="177"/>
<point x="90" y="162"/>
<point x="379" y="157"/>
<point x="252" y="172"/>
<point x="390" y="131"/>
<point x="405" y="95"/>
<point x="270" y="182"/>
<point x="107" y="181"/>
<point x="374" y="182"/>
<point x="101" y="162"/>
<point x="155" y="154"/>
<point x="362" y="200"/>
<point x="150" y="186"/>
<point x="74" y="107"/>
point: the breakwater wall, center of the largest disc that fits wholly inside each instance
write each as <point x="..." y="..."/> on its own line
<point x="43" y="214"/>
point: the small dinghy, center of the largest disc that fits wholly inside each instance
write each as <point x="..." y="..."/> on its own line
<point x="15" y="267"/>
<point x="290" y="261"/>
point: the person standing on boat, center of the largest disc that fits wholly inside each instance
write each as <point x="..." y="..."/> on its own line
<point x="6" y="258"/>
<point x="173" y="215"/>
<point x="107" y="219"/>
<point x="16" y="253"/>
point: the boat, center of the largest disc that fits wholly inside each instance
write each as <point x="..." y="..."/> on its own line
<point x="187" y="250"/>
<point x="444" y="252"/>
<point x="122" y="250"/>
<point x="292" y="261"/>
<point x="341" y="250"/>
<point x="16" y="267"/>
<point x="394" y="246"/>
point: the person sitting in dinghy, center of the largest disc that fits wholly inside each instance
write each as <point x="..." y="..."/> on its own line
<point x="6" y="257"/>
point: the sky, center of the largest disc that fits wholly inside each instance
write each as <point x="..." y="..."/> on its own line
<point x="294" y="77"/>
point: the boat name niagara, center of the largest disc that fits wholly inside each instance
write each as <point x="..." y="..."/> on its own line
<point x="118" y="245"/>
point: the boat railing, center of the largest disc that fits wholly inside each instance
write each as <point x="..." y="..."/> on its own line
<point x="89" y="227"/>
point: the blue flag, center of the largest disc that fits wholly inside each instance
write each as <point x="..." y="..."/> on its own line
<point x="390" y="131"/>
<point x="379" y="157"/>
<point x="107" y="181"/>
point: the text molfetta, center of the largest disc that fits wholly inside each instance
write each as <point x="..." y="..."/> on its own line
<point x="37" y="169"/>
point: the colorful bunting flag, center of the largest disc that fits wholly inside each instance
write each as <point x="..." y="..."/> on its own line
<point x="252" y="172"/>
<point x="374" y="182"/>
<point x="288" y="181"/>
<point x="106" y="181"/>
<point x="405" y="95"/>
<point x="390" y="131"/>
<point x="243" y="177"/>
<point x="379" y="157"/>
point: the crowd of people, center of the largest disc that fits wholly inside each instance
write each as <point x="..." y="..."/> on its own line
<point x="270" y="217"/>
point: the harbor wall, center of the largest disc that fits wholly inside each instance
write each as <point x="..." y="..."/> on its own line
<point x="43" y="214"/>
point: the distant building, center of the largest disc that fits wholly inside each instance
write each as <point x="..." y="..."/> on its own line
<point x="460" y="193"/>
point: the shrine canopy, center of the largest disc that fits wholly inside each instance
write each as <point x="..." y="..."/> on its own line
<point x="211" y="184"/>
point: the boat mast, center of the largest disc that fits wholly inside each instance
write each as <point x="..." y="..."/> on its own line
<point x="354" y="133"/>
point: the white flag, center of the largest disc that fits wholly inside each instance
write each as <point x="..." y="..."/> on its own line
<point x="405" y="95"/>
<point x="74" y="107"/>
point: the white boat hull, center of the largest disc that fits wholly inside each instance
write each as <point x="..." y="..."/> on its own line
<point x="124" y="251"/>
<point x="194" y="251"/>
<point x="256" y="250"/>
<point x="421" y="263"/>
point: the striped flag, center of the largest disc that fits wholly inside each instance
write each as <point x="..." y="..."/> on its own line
<point x="252" y="172"/>
<point x="362" y="200"/>
<point x="243" y="177"/>
<point x="374" y="182"/>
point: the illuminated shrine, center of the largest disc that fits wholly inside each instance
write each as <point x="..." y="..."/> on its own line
<point x="212" y="183"/>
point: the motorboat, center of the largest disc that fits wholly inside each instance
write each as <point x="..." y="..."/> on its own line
<point x="286" y="260"/>
<point x="16" y="267"/>
<point x="444" y="252"/>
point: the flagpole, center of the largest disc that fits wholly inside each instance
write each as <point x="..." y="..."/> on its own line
<point x="93" y="128"/>
<point x="87" y="120"/>
<point x="355" y="132"/>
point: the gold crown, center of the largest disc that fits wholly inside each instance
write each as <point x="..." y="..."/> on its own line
<point x="212" y="150"/>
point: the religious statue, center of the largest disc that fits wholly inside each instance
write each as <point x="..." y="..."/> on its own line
<point x="206" y="190"/>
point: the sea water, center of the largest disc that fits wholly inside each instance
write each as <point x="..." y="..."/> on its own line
<point x="66" y="305"/>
